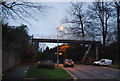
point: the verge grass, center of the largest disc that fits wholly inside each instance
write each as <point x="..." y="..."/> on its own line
<point x="114" y="66"/>
<point x="57" y="73"/>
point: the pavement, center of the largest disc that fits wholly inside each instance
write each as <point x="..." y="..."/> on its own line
<point x="16" y="74"/>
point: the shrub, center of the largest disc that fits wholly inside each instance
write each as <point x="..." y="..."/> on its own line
<point x="114" y="66"/>
<point x="46" y="66"/>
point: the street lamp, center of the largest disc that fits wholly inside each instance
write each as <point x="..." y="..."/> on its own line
<point x="60" y="54"/>
<point x="60" y="28"/>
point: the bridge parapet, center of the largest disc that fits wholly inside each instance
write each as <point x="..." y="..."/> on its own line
<point x="61" y="37"/>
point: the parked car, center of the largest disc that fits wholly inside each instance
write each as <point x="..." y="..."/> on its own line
<point x="103" y="62"/>
<point x="68" y="62"/>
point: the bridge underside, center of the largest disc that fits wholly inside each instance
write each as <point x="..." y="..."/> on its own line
<point x="65" y="41"/>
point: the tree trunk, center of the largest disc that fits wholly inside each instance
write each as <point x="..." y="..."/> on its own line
<point x="118" y="29"/>
<point x="82" y="28"/>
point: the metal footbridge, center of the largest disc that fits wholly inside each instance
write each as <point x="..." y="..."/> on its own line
<point x="63" y="39"/>
<point x="69" y="39"/>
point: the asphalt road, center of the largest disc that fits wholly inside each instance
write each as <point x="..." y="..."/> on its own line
<point x="93" y="72"/>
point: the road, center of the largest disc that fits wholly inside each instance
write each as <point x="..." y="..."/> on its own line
<point x="93" y="72"/>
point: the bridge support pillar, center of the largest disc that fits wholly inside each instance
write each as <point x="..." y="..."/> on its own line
<point x="97" y="54"/>
<point x="36" y="43"/>
<point x="88" y="56"/>
<point x="86" y="53"/>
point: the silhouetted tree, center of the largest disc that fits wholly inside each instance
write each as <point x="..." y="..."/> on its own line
<point x="21" y="10"/>
<point x="101" y="14"/>
<point x="16" y="38"/>
<point x="47" y="48"/>
<point x="76" y="18"/>
<point x="117" y="6"/>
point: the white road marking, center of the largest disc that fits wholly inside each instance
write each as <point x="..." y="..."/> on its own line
<point x="96" y="72"/>
<point x="104" y="74"/>
<point x="2" y="74"/>
<point x="108" y="75"/>
<point x="111" y="69"/>
<point x="25" y="71"/>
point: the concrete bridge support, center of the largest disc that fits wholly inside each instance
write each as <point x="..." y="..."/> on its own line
<point x="88" y="57"/>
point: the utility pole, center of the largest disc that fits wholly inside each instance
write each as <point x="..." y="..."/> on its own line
<point x="57" y="47"/>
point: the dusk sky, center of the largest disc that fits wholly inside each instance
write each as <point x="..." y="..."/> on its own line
<point x="47" y="22"/>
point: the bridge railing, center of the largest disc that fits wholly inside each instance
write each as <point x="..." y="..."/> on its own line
<point x="63" y="37"/>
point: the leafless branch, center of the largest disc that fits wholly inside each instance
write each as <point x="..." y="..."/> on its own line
<point x="21" y="9"/>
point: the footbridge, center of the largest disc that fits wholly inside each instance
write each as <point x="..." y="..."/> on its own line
<point x="69" y="39"/>
<point x="63" y="39"/>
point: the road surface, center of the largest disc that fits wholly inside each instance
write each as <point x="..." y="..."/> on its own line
<point x="93" y="72"/>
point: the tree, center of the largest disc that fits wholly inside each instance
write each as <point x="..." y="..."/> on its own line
<point x="21" y="10"/>
<point x="77" y="18"/>
<point x="101" y="14"/>
<point x="75" y="52"/>
<point x="117" y="6"/>
<point x="47" y="48"/>
<point x="16" y="39"/>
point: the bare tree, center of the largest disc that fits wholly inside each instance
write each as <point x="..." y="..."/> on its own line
<point x="82" y="26"/>
<point x="117" y="6"/>
<point x="76" y="18"/>
<point x="101" y="13"/>
<point x="21" y="10"/>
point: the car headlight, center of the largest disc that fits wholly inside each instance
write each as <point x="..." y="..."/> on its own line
<point x="66" y="62"/>
<point x="72" y="62"/>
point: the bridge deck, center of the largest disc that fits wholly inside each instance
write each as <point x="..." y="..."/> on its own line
<point x="65" y="41"/>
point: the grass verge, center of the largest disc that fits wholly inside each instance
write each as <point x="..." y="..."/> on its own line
<point x="57" y="73"/>
<point x="114" y="67"/>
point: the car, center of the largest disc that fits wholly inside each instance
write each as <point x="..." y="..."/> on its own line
<point x="68" y="62"/>
<point x="104" y="62"/>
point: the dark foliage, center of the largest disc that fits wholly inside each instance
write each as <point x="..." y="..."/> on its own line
<point x="16" y="38"/>
<point x="76" y="52"/>
<point x="46" y="66"/>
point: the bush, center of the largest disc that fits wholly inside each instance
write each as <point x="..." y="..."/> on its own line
<point x="46" y="66"/>
<point x="114" y="66"/>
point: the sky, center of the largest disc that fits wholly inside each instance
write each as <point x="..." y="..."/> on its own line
<point x="47" y="22"/>
<point x="51" y="20"/>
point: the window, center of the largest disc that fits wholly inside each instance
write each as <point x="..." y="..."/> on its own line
<point x="102" y="60"/>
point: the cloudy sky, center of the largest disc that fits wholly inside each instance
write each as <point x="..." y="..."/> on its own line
<point x="47" y="22"/>
<point x="50" y="20"/>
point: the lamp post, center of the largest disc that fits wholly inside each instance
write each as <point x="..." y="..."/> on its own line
<point x="60" y="28"/>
